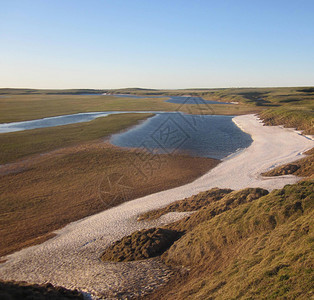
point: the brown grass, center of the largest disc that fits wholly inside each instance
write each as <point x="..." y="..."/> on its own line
<point x="141" y="244"/>
<point x="49" y="191"/>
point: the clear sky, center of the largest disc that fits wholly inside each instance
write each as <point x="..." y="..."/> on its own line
<point x="156" y="44"/>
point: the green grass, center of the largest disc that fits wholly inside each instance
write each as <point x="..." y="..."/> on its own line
<point x="16" y="145"/>
<point x="301" y="119"/>
<point x="256" y="250"/>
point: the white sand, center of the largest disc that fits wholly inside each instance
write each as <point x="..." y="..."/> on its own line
<point x="71" y="259"/>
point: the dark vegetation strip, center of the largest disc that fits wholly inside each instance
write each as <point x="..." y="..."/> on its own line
<point x="11" y="290"/>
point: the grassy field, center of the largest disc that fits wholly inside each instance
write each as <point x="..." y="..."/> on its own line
<point x="20" y="144"/>
<point x="28" y="107"/>
<point x="49" y="191"/>
<point x="17" y="107"/>
<point x="247" y="245"/>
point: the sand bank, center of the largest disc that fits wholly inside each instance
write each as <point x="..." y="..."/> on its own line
<point x="71" y="259"/>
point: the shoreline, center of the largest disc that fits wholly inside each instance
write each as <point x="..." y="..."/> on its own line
<point x="71" y="259"/>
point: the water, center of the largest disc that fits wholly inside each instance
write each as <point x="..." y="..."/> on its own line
<point x="203" y="136"/>
<point x="129" y="96"/>
<point x="166" y="132"/>
<point x="192" y="100"/>
<point x="137" y="96"/>
<point x="115" y="95"/>
<point x="50" y="122"/>
<point x="175" y="99"/>
<point x="90" y="94"/>
<point x="59" y="120"/>
<point x="122" y="95"/>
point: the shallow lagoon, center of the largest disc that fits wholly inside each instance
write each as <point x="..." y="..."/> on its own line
<point x="167" y="132"/>
<point x="197" y="135"/>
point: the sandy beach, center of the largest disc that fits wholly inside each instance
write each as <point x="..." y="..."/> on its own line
<point x="71" y="259"/>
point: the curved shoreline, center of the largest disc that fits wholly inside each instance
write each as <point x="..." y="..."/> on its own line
<point x="71" y="259"/>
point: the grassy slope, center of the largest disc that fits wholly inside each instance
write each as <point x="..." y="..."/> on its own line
<point x="16" y="145"/>
<point x="290" y="117"/>
<point x="256" y="250"/>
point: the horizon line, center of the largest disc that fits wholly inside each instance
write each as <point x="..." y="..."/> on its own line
<point x="160" y="89"/>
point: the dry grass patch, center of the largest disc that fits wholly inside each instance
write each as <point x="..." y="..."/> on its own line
<point x="52" y="190"/>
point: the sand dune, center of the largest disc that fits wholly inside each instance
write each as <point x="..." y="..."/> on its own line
<point x="71" y="259"/>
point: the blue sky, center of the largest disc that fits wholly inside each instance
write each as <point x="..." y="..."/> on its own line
<point x="156" y="44"/>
